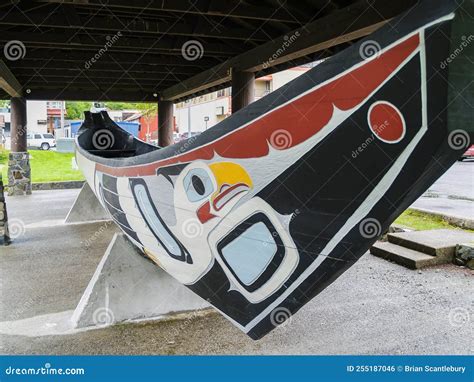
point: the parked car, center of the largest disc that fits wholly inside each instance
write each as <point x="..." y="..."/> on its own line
<point x="43" y="141"/>
<point x="186" y="135"/>
<point x="469" y="154"/>
<point x="176" y="137"/>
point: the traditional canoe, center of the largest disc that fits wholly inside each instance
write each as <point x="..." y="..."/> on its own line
<point x="261" y="212"/>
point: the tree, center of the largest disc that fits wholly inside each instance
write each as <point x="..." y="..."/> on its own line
<point x="129" y="105"/>
<point x="75" y="110"/>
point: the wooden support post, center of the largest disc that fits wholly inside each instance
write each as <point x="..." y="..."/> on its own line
<point x="243" y="89"/>
<point x="165" y="123"/>
<point x="18" y="125"/>
<point x="19" y="173"/>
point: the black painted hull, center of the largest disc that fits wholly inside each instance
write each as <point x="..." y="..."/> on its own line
<point x="263" y="211"/>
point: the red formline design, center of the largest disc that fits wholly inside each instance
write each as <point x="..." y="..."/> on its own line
<point x="300" y="119"/>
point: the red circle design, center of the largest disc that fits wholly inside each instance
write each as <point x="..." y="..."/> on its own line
<point x="386" y="122"/>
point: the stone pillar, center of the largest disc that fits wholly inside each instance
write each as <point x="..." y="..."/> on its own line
<point x="19" y="174"/>
<point x="4" y="234"/>
<point x="165" y="123"/>
<point x="243" y="89"/>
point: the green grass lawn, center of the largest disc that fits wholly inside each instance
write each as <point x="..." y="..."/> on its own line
<point x="51" y="166"/>
<point x="420" y="221"/>
<point x="46" y="166"/>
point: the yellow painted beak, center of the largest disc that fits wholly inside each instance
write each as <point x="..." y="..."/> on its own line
<point x="231" y="179"/>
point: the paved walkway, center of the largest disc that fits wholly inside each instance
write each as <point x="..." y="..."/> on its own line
<point x="41" y="207"/>
<point x="376" y="307"/>
<point x="452" y="194"/>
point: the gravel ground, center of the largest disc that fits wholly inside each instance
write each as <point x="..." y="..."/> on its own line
<point x="374" y="308"/>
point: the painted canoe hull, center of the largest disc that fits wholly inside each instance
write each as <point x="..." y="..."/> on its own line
<point x="263" y="211"/>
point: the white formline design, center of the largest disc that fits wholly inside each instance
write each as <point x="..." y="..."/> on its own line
<point x="404" y="127"/>
<point x="376" y="193"/>
<point x="369" y="202"/>
<point x="316" y="87"/>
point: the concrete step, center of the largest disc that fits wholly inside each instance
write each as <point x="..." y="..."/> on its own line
<point x="404" y="256"/>
<point x="440" y="242"/>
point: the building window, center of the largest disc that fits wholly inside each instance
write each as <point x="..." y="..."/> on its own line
<point x="268" y="87"/>
<point x="54" y="104"/>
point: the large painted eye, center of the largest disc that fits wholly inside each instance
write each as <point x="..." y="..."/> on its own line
<point x="198" y="184"/>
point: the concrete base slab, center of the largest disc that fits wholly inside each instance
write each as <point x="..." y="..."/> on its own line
<point x="403" y="256"/>
<point x="419" y="249"/>
<point x="86" y="207"/>
<point x="60" y="323"/>
<point x="439" y="242"/>
<point x="43" y="325"/>
<point x="127" y="286"/>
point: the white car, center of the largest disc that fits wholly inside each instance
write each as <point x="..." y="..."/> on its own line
<point x="43" y="141"/>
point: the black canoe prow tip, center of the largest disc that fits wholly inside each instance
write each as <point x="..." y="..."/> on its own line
<point x="101" y="136"/>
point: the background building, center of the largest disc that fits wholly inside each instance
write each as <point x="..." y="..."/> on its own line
<point x="190" y="117"/>
<point x="42" y="116"/>
<point x="203" y="112"/>
<point x="53" y="111"/>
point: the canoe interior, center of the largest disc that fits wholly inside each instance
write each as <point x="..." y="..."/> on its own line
<point x="102" y="137"/>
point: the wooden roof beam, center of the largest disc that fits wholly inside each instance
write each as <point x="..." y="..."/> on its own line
<point x="346" y="24"/>
<point x="106" y="24"/>
<point x="8" y="81"/>
<point x="228" y="8"/>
